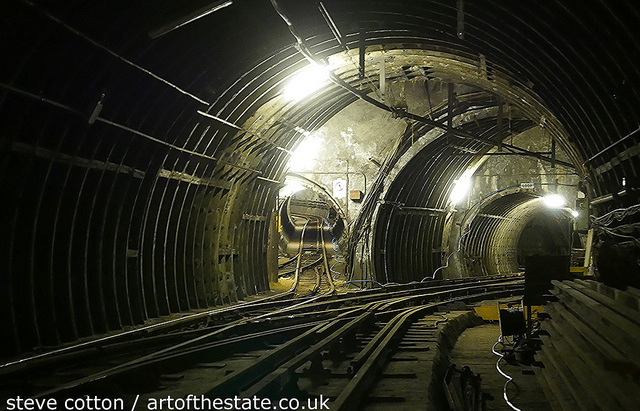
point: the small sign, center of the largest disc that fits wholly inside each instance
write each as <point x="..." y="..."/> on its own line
<point x="355" y="195"/>
<point x="339" y="188"/>
<point x="526" y="186"/>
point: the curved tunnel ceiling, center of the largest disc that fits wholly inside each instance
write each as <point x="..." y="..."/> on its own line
<point x="415" y="206"/>
<point x="124" y="203"/>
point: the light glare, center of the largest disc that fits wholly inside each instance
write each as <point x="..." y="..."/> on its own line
<point x="575" y="214"/>
<point x="305" y="82"/>
<point x="290" y="188"/>
<point x="460" y="189"/>
<point x="304" y="156"/>
<point x="554" y="201"/>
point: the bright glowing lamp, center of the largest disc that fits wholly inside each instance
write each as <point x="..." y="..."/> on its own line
<point x="554" y="201"/>
<point x="305" y="82"/>
<point x="460" y="189"/>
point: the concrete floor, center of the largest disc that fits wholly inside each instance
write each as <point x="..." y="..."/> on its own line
<point x="473" y="349"/>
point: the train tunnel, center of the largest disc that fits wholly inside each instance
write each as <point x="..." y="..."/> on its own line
<point x="147" y="148"/>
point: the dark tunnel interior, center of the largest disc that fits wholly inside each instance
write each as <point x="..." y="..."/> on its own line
<point x="141" y="170"/>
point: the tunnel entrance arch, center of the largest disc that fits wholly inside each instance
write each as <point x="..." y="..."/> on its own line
<point x="302" y="199"/>
<point x="506" y="228"/>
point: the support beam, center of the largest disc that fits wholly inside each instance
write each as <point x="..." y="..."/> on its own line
<point x="599" y="153"/>
<point x="157" y="140"/>
<point x="500" y="130"/>
<point x="625" y="155"/>
<point x="244" y="130"/>
<point x="460" y="18"/>
<point x="253" y="217"/>
<point x="50" y="16"/>
<point x="421" y="210"/>
<point x="361" y="53"/>
<point x="191" y="17"/>
<point x="399" y="113"/>
<point x="383" y="80"/>
<point x="520" y="152"/>
<point x="553" y="152"/>
<point x="191" y="179"/>
<point x="40" y="98"/>
<point x="95" y="118"/>
<point x="268" y="180"/>
<point x="64" y="158"/>
<point x="497" y="217"/>
<point x="450" y="103"/>
<point x="332" y="26"/>
<point x="606" y="198"/>
<point x="504" y="153"/>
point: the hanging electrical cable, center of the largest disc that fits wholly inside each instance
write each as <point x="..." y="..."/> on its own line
<point x="504" y="374"/>
<point x="433" y="277"/>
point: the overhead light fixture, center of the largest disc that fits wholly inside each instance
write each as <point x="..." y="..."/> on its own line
<point x="461" y="188"/>
<point x="554" y="201"/>
<point x="306" y="81"/>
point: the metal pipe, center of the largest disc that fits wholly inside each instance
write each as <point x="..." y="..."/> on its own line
<point x="599" y="153"/>
<point x="606" y="198"/>
<point x="244" y="130"/>
<point x="113" y="53"/>
<point x="429" y="209"/>
<point x="223" y="121"/>
<point x="553" y="152"/>
<point x="157" y="140"/>
<point x="268" y="180"/>
<point x="383" y="80"/>
<point x="332" y="26"/>
<point x="361" y="54"/>
<point x="500" y="123"/>
<point x="102" y="120"/>
<point x="460" y="18"/>
<point x="191" y="17"/>
<point x="450" y="103"/>
<point x="40" y="98"/>
<point x="347" y="194"/>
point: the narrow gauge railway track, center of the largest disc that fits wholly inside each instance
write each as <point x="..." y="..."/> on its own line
<point x="311" y="275"/>
<point x="163" y="333"/>
<point x="124" y="347"/>
<point x="260" y="354"/>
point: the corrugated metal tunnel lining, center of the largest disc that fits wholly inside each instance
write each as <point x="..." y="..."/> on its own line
<point x="411" y="221"/>
<point x="494" y="240"/>
<point x="122" y="203"/>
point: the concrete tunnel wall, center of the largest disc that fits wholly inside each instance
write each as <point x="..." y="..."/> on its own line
<point x="121" y="203"/>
